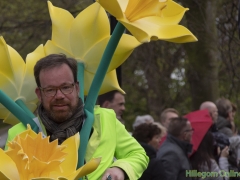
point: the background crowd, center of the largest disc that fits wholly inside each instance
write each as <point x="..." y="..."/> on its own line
<point x="178" y="145"/>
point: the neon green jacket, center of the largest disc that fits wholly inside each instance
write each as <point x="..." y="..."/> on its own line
<point x="108" y="140"/>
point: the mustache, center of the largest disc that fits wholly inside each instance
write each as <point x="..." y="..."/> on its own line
<point x="59" y="102"/>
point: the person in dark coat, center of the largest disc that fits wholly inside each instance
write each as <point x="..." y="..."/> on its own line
<point x="173" y="154"/>
<point x="148" y="136"/>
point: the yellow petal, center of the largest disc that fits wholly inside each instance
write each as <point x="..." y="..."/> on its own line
<point x="114" y="7"/>
<point x="146" y="31"/>
<point x="8" y="167"/>
<point x="7" y="70"/>
<point x="44" y="169"/>
<point x="125" y="47"/>
<point x="18" y="66"/>
<point x="8" y="85"/>
<point x="27" y="133"/>
<point x="53" y="48"/>
<point x="96" y="28"/>
<point x="42" y="178"/>
<point x="69" y="165"/>
<point x="17" y="81"/>
<point x="110" y="82"/>
<point x="86" y="169"/>
<point x="61" y="24"/>
<point x="173" y="10"/>
<point x="138" y="9"/>
<point x="29" y="84"/>
<point x="3" y="177"/>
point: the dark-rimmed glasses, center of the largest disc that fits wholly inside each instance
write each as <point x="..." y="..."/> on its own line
<point x="52" y="91"/>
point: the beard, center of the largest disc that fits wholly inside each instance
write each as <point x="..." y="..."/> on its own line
<point x="60" y="116"/>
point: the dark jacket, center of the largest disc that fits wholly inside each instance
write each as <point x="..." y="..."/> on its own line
<point x="173" y="154"/>
<point x="154" y="169"/>
<point x="224" y="126"/>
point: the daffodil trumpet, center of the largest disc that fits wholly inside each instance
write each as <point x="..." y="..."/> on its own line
<point x="17" y="111"/>
<point x="31" y="157"/>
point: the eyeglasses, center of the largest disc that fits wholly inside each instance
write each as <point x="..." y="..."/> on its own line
<point x="52" y="91"/>
<point x="189" y="130"/>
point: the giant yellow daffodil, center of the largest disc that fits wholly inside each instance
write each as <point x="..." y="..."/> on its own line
<point x="17" y="80"/>
<point x="150" y="19"/>
<point x="30" y="156"/>
<point x="85" y="38"/>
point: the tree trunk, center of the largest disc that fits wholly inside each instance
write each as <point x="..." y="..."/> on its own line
<point x="203" y="56"/>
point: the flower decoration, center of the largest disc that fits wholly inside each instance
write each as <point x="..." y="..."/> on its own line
<point x="17" y="79"/>
<point x="85" y="38"/>
<point x="30" y="156"/>
<point x="150" y="19"/>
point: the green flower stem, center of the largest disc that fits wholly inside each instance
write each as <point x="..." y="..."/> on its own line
<point x="80" y="77"/>
<point x="94" y="90"/>
<point x="17" y="111"/>
<point x="103" y="67"/>
<point x="25" y="108"/>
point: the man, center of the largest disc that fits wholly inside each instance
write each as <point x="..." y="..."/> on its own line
<point x="61" y="114"/>
<point x="212" y="109"/>
<point x="165" y="119"/>
<point x="167" y="115"/>
<point x="113" y="100"/>
<point x="223" y="136"/>
<point x="225" y="116"/>
<point x="173" y="154"/>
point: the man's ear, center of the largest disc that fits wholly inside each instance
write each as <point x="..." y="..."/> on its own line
<point x="105" y="104"/>
<point x="39" y="94"/>
<point x="77" y="87"/>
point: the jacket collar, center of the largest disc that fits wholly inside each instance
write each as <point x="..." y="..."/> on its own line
<point x="185" y="146"/>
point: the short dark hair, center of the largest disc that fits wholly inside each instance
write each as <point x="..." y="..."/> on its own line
<point x="54" y="60"/>
<point x="224" y="106"/>
<point x="109" y="96"/>
<point x="146" y="131"/>
<point x="177" y="125"/>
<point x="164" y="113"/>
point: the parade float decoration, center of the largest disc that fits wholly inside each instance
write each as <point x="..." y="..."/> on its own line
<point x="87" y="38"/>
<point x="32" y="157"/>
<point x="17" y="81"/>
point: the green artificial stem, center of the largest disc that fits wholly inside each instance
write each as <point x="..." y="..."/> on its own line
<point x="17" y="111"/>
<point x="25" y="108"/>
<point x="94" y="90"/>
<point x="103" y="67"/>
<point x="80" y="77"/>
<point x="84" y="137"/>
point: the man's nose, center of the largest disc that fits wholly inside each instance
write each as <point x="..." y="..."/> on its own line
<point x="59" y="94"/>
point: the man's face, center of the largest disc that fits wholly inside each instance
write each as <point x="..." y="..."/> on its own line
<point x="169" y="116"/>
<point x="59" y="107"/>
<point x="188" y="131"/>
<point x="214" y="113"/>
<point x="117" y="104"/>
